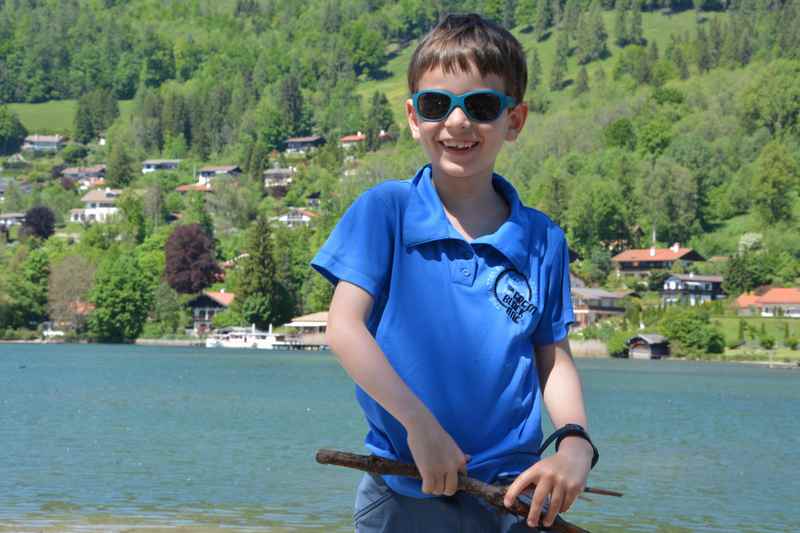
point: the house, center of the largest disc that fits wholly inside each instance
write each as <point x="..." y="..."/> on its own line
<point x="296" y="217"/>
<point x="640" y="262"/>
<point x="301" y="145"/>
<point x="278" y="180"/>
<point x="647" y="346"/>
<point x="153" y="165"/>
<point x="591" y="305"/>
<point x="11" y="219"/>
<point x="44" y="143"/>
<point x="350" y="141"/>
<point x="205" y="306"/>
<point x="691" y="289"/>
<point x="311" y="328"/>
<point x="100" y="206"/>
<point x="312" y="200"/>
<point x="88" y="177"/>
<point x="777" y="301"/>
<point x="194" y="187"/>
<point x="207" y="173"/>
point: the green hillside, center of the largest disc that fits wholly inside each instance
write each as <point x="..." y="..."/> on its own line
<point x="55" y="116"/>
<point x="658" y="27"/>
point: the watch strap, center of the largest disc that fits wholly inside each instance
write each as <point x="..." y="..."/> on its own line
<point x="570" y="430"/>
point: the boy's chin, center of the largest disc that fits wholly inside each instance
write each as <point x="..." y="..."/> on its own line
<point x="460" y="171"/>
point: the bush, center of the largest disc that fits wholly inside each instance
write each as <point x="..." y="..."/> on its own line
<point x="766" y="342"/>
<point x="690" y="331"/>
<point x="617" y="343"/>
<point x="792" y="343"/>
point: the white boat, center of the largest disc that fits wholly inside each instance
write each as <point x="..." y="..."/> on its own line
<point x="239" y="337"/>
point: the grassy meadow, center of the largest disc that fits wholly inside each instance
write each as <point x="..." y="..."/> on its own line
<point x="55" y="116"/>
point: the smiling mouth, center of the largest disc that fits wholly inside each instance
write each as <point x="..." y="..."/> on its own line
<point x="459" y="147"/>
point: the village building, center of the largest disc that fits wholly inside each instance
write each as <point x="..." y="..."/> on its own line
<point x="100" y="206"/>
<point x="296" y="216"/>
<point x="302" y="145"/>
<point x="207" y="173"/>
<point x="205" y="306"/>
<point x="641" y="262"/>
<point x="86" y="177"/>
<point x="278" y="180"/>
<point x="648" y="346"/>
<point x="774" y="302"/>
<point x="154" y="165"/>
<point x="310" y="328"/>
<point x="312" y="200"/>
<point x="194" y="187"/>
<point x="44" y="143"/>
<point x="358" y="139"/>
<point x="591" y="305"/>
<point x="11" y="219"/>
<point x="691" y="289"/>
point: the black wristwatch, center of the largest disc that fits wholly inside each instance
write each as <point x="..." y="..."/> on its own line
<point x="570" y="430"/>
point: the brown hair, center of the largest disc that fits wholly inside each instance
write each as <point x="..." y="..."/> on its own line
<point x="461" y="41"/>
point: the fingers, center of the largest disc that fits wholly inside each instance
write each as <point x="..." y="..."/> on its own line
<point x="443" y="480"/>
<point x="556" y="500"/>
<point x="543" y="489"/>
<point x="517" y="486"/>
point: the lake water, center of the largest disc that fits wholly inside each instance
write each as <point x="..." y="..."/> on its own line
<point x="121" y="438"/>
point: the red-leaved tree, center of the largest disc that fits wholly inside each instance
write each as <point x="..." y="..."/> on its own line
<point x="190" y="264"/>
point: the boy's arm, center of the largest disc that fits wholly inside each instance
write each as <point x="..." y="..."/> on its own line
<point x="561" y="476"/>
<point x="435" y="453"/>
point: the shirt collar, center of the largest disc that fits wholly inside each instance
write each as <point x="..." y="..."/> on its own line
<point x="425" y="221"/>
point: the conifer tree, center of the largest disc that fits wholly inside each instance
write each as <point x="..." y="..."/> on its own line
<point x="620" y="24"/>
<point x="715" y="42"/>
<point x="572" y="12"/>
<point x="680" y="62"/>
<point x="543" y="19"/>
<point x="260" y="298"/>
<point x="636" y="34"/>
<point x="702" y="51"/>
<point x="652" y="53"/>
<point x="525" y="13"/>
<point x="582" y="82"/>
<point x="559" y="71"/>
<point x="535" y="71"/>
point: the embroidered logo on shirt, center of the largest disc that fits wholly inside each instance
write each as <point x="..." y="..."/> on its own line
<point x="512" y="293"/>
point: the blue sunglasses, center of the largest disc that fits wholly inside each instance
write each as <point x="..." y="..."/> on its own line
<point x="483" y="105"/>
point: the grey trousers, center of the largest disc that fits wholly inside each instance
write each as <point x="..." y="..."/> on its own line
<point x="379" y="509"/>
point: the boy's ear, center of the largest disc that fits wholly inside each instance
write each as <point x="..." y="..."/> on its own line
<point x="516" y="121"/>
<point x="413" y="124"/>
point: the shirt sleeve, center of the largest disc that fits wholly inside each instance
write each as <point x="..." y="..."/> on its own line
<point x="359" y="249"/>
<point x="557" y="314"/>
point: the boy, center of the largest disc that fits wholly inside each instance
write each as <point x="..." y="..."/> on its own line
<point x="447" y="288"/>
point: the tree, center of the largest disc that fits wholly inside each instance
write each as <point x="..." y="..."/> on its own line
<point x="559" y="70"/>
<point x="70" y="281"/>
<point x="190" y="265"/>
<point x="122" y="299"/>
<point x="535" y="71"/>
<point x="121" y="169"/>
<point x="28" y="290"/>
<point x="621" y="37"/>
<point x="543" y="18"/>
<point x="582" y="82"/>
<point x="260" y="298"/>
<point x="772" y="100"/>
<point x="131" y="209"/>
<point x="39" y="222"/>
<point x="636" y="35"/>
<point x="775" y="178"/>
<point x="690" y="331"/>
<point x="12" y="132"/>
<point x="703" y="51"/>
<point x="681" y="64"/>
<point x="96" y="111"/>
<point x="379" y="119"/>
<point x="620" y="133"/>
<point x="745" y="271"/>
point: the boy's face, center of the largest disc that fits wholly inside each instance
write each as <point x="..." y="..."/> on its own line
<point x="458" y="147"/>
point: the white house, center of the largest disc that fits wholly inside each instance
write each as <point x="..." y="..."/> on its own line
<point x="11" y="219"/>
<point x="296" y="217"/>
<point x="153" y="165"/>
<point x="207" y="173"/>
<point x="100" y="206"/>
<point x="44" y="143"/>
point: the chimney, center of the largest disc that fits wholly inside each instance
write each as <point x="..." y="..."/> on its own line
<point x="675" y="247"/>
<point x="652" y="251"/>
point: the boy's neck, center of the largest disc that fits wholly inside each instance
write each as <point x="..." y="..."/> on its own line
<point x="472" y="205"/>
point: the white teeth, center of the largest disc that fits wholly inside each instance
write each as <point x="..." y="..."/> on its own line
<point x="458" y="146"/>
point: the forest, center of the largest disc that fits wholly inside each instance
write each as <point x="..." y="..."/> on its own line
<point x="671" y="118"/>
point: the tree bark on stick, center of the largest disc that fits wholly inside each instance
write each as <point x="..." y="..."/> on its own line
<point x="492" y="494"/>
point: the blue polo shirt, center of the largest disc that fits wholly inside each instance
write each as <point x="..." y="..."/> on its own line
<point x="458" y="320"/>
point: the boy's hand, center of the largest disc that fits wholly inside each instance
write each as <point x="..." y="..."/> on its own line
<point x="437" y="456"/>
<point x="562" y="477"/>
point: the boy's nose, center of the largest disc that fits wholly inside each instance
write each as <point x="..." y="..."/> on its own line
<point x="457" y="118"/>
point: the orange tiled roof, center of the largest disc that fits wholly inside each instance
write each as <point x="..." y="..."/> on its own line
<point x="355" y="138"/>
<point x="223" y="298"/>
<point x="194" y="187"/>
<point x="780" y="295"/>
<point x="660" y="254"/>
<point x="746" y="300"/>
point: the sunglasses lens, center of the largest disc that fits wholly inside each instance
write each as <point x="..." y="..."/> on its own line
<point x="433" y="106"/>
<point x="484" y="107"/>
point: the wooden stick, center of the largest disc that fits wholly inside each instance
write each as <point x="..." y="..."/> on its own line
<point x="492" y="494"/>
